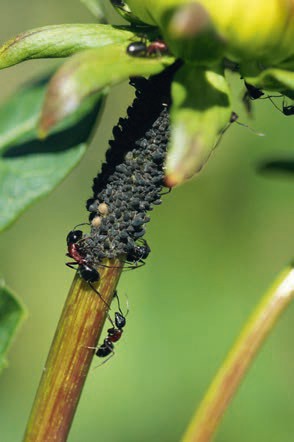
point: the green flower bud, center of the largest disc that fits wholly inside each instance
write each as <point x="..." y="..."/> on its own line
<point x="201" y="30"/>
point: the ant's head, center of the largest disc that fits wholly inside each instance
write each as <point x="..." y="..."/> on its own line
<point x="74" y="236"/>
<point x="145" y="250"/>
<point x="120" y="320"/>
<point x="138" y="252"/>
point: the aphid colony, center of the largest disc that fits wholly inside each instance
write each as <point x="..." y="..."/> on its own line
<point x="129" y="185"/>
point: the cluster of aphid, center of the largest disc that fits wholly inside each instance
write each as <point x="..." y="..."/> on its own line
<point x="130" y="184"/>
<point x="119" y="206"/>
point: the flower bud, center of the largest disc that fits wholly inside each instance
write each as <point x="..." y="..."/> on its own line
<point x="260" y="30"/>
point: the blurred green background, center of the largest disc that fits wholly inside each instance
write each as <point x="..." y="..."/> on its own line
<point x="217" y="243"/>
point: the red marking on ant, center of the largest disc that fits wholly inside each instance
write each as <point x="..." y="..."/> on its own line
<point x="157" y="47"/>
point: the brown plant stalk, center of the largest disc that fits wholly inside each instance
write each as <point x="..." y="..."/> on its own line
<point x="226" y="382"/>
<point x="69" y="358"/>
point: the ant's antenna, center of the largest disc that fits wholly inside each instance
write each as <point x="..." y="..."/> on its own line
<point x="115" y="295"/>
<point x="82" y="224"/>
<point x="259" y="134"/>
<point x="234" y="119"/>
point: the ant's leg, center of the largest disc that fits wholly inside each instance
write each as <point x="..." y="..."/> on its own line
<point x="106" y="360"/>
<point x="134" y="266"/>
<point x="271" y="96"/>
<point x="142" y="263"/>
<point x="109" y="266"/>
<point x="168" y="191"/>
<point x="131" y="267"/>
<point x="71" y="265"/>
<point x="220" y="135"/>
<point x="274" y="104"/>
<point x="96" y="291"/>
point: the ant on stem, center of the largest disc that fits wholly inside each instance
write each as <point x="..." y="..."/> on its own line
<point x="113" y="334"/>
<point x="85" y="269"/>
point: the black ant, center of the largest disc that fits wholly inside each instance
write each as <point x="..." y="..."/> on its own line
<point x="140" y="48"/>
<point x="113" y="334"/>
<point x="139" y="253"/>
<point x="86" y="271"/>
<point x="287" y="110"/>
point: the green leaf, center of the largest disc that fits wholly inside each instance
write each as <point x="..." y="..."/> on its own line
<point x="273" y="79"/>
<point x="123" y="9"/>
<point x="31" y="168"/>
<point x="87" y="73"/>
<point x="18" y="116"/>
<point x="96" y="8"/>
<point x="12" y="314"/>
<point x="200" y="112"/>
<point x="61" y="41"/>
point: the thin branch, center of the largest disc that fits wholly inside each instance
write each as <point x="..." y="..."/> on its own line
<point x="208" y="416"/>
<point x="69" y="358"/>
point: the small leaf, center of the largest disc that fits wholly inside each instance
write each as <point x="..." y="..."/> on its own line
<point x="123" y="9"/>
<point x="86" y="74"/>
<point x="200" y="112"/>
<point x="61" y="41"/>
<point x="95" y="8"/>
<point x="12" y="314"/>
<point x="30" y="168"/>
<point x="273" y="79"/>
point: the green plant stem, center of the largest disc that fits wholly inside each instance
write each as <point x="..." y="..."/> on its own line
<point x="69" y="358"/>
<point x="208" y="416"/>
